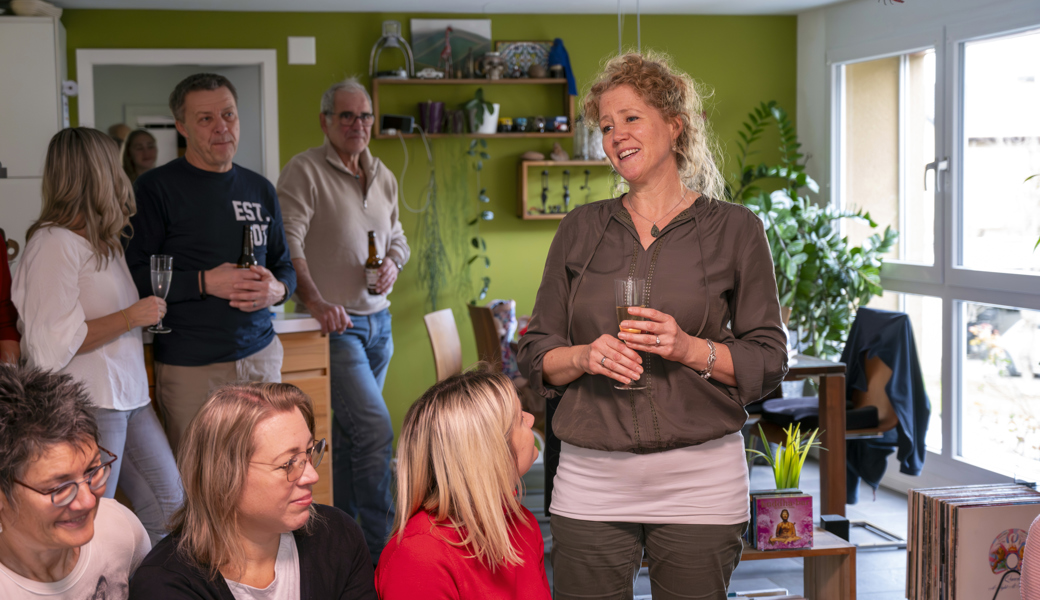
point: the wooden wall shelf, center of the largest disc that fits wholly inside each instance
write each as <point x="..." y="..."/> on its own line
<point x="523" y="188"/>
<point x="568" y="105"/>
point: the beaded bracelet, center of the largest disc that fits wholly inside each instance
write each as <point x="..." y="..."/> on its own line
<point x="706" y="373"/>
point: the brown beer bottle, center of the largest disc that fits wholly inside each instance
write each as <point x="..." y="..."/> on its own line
<point x="372" y="264"/>
<point x="247" y="259"/>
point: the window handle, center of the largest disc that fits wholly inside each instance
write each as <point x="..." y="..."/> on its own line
<point x="937" y="166"/>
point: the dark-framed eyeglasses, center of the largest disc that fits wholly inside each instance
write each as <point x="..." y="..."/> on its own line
<point x="348" y="118"/>
<point x="95" y="478"/>
<point x="297" y="464"/>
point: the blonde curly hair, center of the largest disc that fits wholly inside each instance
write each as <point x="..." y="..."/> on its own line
<point x="674" y="94"/>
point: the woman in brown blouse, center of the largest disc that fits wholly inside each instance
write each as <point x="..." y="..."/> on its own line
<point x="660" y="468"/>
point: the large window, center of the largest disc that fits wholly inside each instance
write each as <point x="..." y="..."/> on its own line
<point x="1000" y="218"/>
<point x="889" y="139"/>
<point x="937" y="141"/>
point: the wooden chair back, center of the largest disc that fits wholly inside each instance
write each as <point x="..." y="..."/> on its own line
<point x="444" y="340"/>
<point x="878" y="375"/>
<point x="489" y="349"/>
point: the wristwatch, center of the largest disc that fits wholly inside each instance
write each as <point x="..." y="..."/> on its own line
<point x="400" y="266"/>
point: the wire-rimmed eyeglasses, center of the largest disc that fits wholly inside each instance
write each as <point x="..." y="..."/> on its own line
<point x="297" y="464"/>
<point x="95" y="478"/>
<point x="348" y="118"/>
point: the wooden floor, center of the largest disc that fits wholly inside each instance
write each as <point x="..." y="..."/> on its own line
<point x="880" y="575"/>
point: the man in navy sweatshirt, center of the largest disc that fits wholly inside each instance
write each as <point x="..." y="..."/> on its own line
<point x="198" y="209"/>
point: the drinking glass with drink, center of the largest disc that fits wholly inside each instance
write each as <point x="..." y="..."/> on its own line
<point x="162" y="274"/>
<point x="630" y="292"/>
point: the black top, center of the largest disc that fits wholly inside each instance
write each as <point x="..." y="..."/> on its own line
<point x="197" y="216"/>
<point x="334" y="565"/>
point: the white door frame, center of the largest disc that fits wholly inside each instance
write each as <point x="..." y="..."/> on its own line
<point x="267" y="60"/>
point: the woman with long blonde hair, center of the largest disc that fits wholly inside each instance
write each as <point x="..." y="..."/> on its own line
<point x="460" y="530"/>
<point x="249" y="527"/>
<point x="80" y="313"/>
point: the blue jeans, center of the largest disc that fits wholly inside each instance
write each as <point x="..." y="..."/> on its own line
<point x="362" y="435"/>
<point x="145" y="471"/>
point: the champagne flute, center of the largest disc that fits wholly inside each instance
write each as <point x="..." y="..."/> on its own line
<point x="162" y="273"/>
<point x="630" y="292"/>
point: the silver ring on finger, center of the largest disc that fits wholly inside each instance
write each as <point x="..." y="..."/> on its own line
<point x="254" y="303"/>
<point x="658" y="340"/>
<point x="602" y="360"/>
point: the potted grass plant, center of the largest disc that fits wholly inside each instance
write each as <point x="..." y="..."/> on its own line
<point x="789" y="457"/>
<point x="782" y="519"/>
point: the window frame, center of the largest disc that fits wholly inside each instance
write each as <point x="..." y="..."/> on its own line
<point x="943" y="279"/>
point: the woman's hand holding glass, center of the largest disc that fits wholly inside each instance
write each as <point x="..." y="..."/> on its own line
<point x="661" y="335"/>
<point x="146" y="311"/>
<point x="609" y="356"/>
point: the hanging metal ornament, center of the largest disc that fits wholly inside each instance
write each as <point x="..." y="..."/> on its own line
<point x="392" y="39"/>
<point x="545" y="191"/>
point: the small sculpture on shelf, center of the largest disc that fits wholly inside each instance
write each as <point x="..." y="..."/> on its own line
<point x="492" y="65"/>
<point x="558" y="153"/>
<point x="445" y="60"/>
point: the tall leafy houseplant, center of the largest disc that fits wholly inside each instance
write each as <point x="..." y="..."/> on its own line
<point x="821" y="278"/>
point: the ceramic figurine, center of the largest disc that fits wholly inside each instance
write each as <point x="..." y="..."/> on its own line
<point x="558" y="153"/>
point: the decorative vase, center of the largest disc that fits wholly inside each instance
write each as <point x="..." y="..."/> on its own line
<point x="431" y="115"/>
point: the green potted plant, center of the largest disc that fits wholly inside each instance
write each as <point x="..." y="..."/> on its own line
<point x="789" y="457"/>
<point x="821" y="278"/>
<point x="480" y="110"/>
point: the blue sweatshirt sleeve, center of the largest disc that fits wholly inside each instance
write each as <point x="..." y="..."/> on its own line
<point x="278" y="261"/>
<point x="149" y="237"/>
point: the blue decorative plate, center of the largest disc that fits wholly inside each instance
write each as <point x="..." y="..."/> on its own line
<point x="524" y="54"/>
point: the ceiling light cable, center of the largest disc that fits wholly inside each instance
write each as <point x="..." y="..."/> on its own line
<point x="619" y="27"/>
<point x="639" y="42"/>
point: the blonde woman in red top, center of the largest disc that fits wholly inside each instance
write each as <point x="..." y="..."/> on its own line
<point x="460" y="530"/>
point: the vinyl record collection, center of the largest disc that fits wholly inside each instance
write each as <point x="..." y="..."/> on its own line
<point x="966" y="541"/>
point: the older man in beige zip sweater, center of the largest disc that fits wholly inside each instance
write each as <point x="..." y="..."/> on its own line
<point x="332" y="196"/>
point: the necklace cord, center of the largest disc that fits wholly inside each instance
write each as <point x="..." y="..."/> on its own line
<point x="654" y="223"/>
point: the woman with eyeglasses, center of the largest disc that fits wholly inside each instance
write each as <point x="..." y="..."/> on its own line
<point x="249" y="528"/>
<point x="58" y="537"/>
<point x="80" y="313"/>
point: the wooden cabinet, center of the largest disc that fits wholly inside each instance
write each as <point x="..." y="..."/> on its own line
<point x="511" y="88"/>
<point x="305" y="365"/>
<point x="528" y="195"/>
<point x="32" y="110"/>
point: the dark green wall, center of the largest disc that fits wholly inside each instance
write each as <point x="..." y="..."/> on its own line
<point x="745" y="60"/>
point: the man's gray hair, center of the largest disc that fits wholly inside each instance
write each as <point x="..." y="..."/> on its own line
<point x="350" y="84"/>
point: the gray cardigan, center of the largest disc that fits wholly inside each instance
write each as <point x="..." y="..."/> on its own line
<point x="711" y="269"/>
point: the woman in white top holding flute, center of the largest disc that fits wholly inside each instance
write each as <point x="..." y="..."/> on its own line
<point x="81" y="314"/>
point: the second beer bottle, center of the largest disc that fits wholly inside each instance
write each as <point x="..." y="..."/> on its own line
<point x="372" y="265"/>
<point x="247" y="259"/>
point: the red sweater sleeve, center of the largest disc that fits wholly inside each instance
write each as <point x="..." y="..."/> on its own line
<point x="416" y="567"/>
<point x="8" y="313"/>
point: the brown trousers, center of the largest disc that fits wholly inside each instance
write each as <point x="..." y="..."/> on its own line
<point x="599" y="560"/>
<point x="181" y="391"/>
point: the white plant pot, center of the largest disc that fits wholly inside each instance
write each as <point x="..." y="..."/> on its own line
<point x="490" y="124"/>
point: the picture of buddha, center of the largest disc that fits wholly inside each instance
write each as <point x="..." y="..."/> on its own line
<point x="785" y="531"/>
